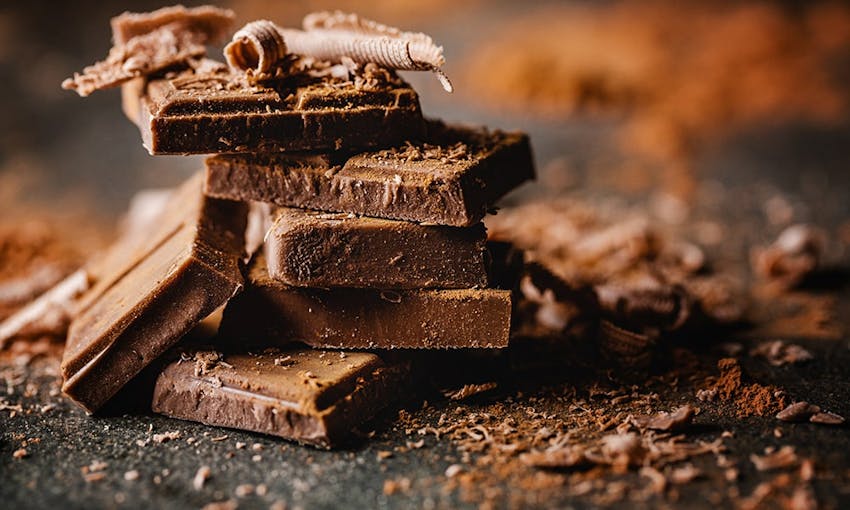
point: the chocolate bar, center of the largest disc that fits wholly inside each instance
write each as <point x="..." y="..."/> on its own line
<point x="168" y="285"/>
<point x="319" y="249"/>
<point x="209" y="109"/>
<point x="366" y="318"/>
<point x="452" y="178"/>
<point x="306" y="395"/>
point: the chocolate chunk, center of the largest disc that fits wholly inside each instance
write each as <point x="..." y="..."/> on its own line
<point x="209" y="109"/>
<point x="275" y="313"/>
<point x="453" y="178"/>
<point x="169" y="284"/>
<point x="305" y="395"/>
<point x="317" y="249"/>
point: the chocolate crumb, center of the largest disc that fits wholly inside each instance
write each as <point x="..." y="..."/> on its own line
<point x="166" y="437"/>
<point x="243" y="490"/>
<point x="201" y="477"/>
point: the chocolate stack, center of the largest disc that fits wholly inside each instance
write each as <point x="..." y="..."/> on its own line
<point x="332" y="216"/>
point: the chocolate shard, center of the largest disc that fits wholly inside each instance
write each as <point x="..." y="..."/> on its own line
<point x="209" y="109"/>
<point x="305" y="395"/>
<point x="318" y="249"/>
<point x="452" y="178"/>
<point x="367" y="318"/>
<point x="143" y="306"/>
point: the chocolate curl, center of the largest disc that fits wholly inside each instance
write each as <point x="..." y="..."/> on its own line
<point x="257" y="47"/>
<point x="334" y="36"/>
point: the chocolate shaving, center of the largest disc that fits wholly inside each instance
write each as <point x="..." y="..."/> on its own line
<point x="795" y="254"/>
<point x="667" y="422"/>
<point x="782" y="458"/>
<point x="50" y="313"/>
<point x="469" y="390"/>
<point x="824" y="418"/>
<point x="779" y="353"/>
<point x="798" y="411"/>
<point x="335" y="37"/>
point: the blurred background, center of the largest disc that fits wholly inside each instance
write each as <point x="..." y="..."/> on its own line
<point x="689" y="109"/>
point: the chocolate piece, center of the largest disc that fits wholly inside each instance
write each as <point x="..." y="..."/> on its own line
<point x="318" y="249"/>
<point x="152" y="42"/>
<point x="305" y="395"/>
<point x="172" y="282"/>
<point x="209" y="109"/>
<point x="142" y="236"/>
<point x="452" y="179"/>
<point x="366" y="318"/>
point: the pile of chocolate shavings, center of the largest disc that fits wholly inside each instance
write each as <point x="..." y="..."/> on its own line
<point x="749" y="399"/>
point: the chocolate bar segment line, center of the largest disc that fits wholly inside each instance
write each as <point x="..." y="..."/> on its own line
<point x="348" y="318"/>
<point x="305" y="395"/>
<point x="209" y="111"/>
<point x="453" y="178"/>
<point x="155" y="301"/>
<point x="317" y="249"/>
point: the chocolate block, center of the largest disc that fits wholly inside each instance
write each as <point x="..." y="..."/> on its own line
<point x="172" y="283"/>
<point x="305" y="395"/>
<point x="366" y="318"/>
<point x="452" y="178"/>
<point x="318" y="249"/>
<point x="208" y="109"/>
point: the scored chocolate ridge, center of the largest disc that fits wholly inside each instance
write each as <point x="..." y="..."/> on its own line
<point x="453" y="177"/>
<point x="208" y="109"/>
<point x="306" y="395"/>
<point x="347" y="318"/>
<point x="147" y="306"/>
<point x="317" y="249"/>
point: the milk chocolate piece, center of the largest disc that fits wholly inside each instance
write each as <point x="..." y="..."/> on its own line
<point x="210" y="109"/>
<point x="453" y="178"/>
<point x="171" y="284"/>
<point x="318" y="249"/>
<point x="366" y="318"/>
<point x="305" y="395"/>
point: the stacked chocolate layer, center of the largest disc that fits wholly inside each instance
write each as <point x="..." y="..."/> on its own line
<point x="336" y="278"/>
<point x="370" y="218"/>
